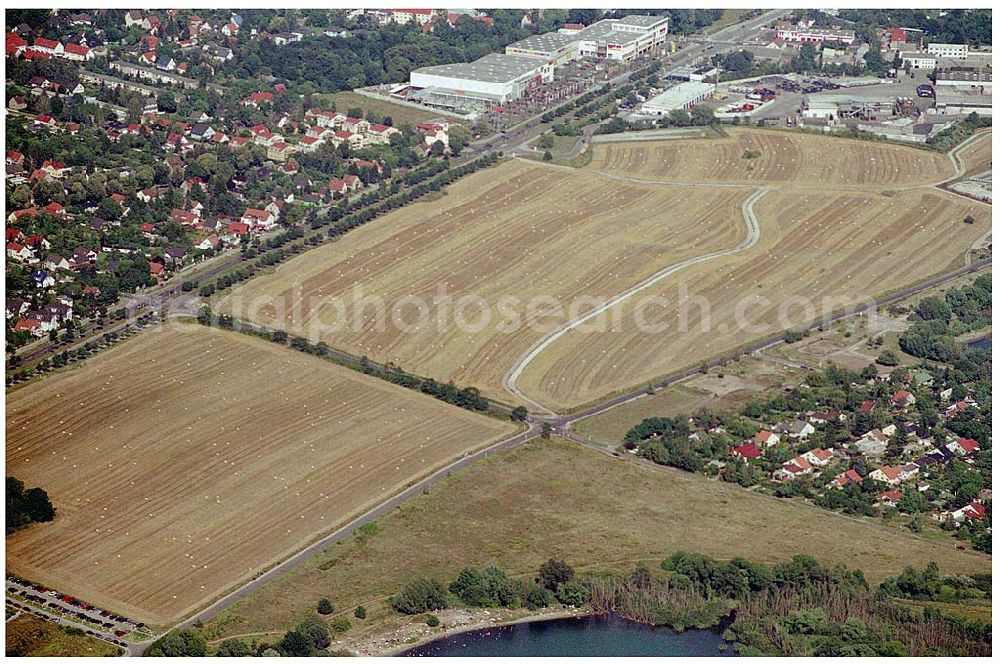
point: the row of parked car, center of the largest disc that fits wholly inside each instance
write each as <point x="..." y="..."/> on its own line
<point x="39" y="594"/>
<point x="93" y="633"/>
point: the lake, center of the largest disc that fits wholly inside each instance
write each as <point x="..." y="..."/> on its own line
<point x="984" y="343"/>
<point x="604" y="635"/>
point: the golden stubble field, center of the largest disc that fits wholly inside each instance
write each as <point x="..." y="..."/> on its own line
<point x="840" y="218"/>
<point x="183" y="462"/>
<point x="513" y="231"/>
<point x="814" y="246"/>
<point x="978" y="155"/>
<point x="785" y="158"/>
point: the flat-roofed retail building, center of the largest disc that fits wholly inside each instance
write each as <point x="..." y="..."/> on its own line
<point x="682" y="96"/>
<point x="494" y="79"/>
<point x="555" y="47"/>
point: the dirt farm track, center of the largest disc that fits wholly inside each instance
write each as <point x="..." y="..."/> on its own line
<point x="516" y="230"/>
<point x="185" y="461"/>
<point x="836" y="218"/>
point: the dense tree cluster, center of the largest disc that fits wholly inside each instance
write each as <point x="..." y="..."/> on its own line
<point x="26" y="507"/>
<point x="930" y="584"/>
<point x="179" y="643"/>
<point x="939" y="321"/>
<point x="948" y="138"/>
<point x="372" y="55"/>
<point x="794" y="608"/>
<point x="956" y="26"/>
<point x="420" y="595"/>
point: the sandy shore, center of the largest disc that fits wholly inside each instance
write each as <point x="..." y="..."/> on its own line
<point x="453" y="621"/>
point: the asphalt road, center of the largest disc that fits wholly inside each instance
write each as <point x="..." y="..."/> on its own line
<point x="346" y="531"/>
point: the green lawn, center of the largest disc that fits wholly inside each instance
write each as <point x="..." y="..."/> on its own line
<point x="400" y="114"/>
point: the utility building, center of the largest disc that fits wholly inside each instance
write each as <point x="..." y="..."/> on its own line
<point x="682" y="96"/>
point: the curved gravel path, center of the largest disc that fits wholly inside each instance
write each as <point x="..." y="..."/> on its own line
<point x="753" y="235"/>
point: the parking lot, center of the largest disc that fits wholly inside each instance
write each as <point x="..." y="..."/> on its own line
<point x="24" y="595"/>
<point x="790" y="90"/>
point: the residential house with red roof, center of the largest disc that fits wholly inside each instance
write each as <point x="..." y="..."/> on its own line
<point x="35" y="54"/>
<point x="49" y="46"/>
<point x="819" y="456"/>
<point x="849" y="477"/>
<point x="309" y="144"/>
<point x="889" y="498"/>
<point x="380" y="134"/>
<point x="324" y="118"/>
<point x="766" y="438"/>
<point x="18" y="252"/>
<point x="55" y="209"/>
<point x="888" y="474"/>
<point x="32" y="326"/>
<point x="354" y="141"/>
<point x="747" y="451"/>
<point x="78" y="52"/>
<point x="964" y="447"/>
<point x="53" y="168"/>
<point x="259" y="219"/>
<point x="264" y="136"/>
<point x="279" y="151"/>
<point x="903" y="398"/>
<point x="23" y="212"/>
<point x="975" y="510"/>
<point x="258" y="98"/>
<point x="211" y="242"/>
<point x="183" y="217"/>
<point x="794" y="468"/>
<point x="234" y="231"/>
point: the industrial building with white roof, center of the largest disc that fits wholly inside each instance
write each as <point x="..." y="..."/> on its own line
<point x="499" y="79"/>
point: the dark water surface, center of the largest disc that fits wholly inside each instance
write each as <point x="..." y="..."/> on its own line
<point x="606" y="635"/>
<point x="984" y="343"/>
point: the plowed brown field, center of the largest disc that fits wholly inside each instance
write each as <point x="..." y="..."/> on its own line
<point x="183" y="462"/>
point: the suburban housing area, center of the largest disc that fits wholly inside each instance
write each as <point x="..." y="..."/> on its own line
<point x="347" y="331"/>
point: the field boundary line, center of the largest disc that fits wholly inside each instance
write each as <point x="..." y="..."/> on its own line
<point x="613" y="400"/>
<point x="753" y="235"/>
<point x="380" y="509"/>
<point x="956" y="160"/>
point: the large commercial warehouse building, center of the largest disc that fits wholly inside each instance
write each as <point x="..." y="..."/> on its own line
<point x="500" y="79"/>
<point x="555" y="47"/>
<point x="623" y="39"/>
<point x="615" y="39"/>
<point x="682" y="96"/>
<point x="492" y="80"/>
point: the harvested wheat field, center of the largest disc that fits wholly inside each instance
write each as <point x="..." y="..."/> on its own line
<point x="785" y="158"/>
<point x="814" y="248"/>
<point x="978" y="155"/>
<point x="185" y="461"/>
<point x="504" y="235"/>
